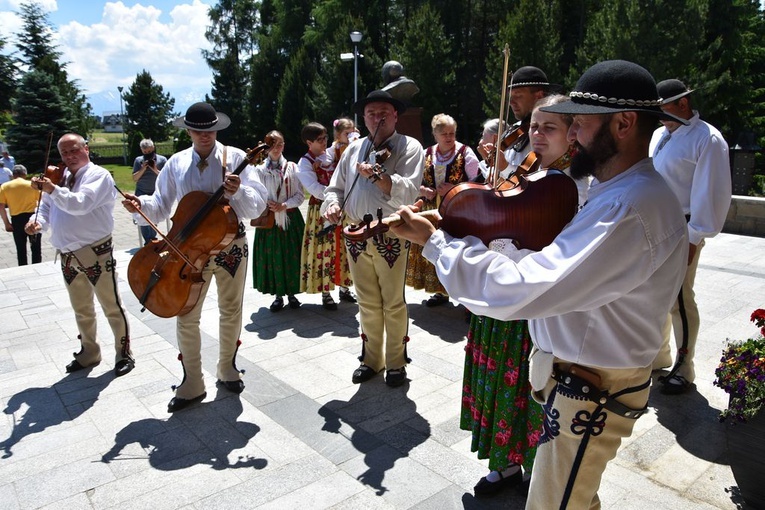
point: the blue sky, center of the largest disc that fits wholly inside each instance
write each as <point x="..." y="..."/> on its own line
<point x="107" y="43"/>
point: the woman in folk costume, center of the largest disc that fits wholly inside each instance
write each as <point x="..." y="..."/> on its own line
<point x="323" y="260"/>
<point x="276" y="260"/>
<point x="496" y="403"/>
<point x="447" y="163"/>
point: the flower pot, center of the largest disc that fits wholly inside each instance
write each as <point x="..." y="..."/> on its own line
<point x="746" y="456"/>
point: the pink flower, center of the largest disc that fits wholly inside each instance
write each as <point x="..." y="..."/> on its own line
<point x="491" y="364"/>
<point x="500" y="439"/>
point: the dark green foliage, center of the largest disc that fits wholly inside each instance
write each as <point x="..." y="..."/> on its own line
<point x="39" y="113"/>
<point x="148" y="110"/>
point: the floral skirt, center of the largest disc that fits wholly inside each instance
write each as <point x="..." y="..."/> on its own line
<point x="276" y="257"/>
<point x="420" y="273"/>
<point x="496" y="394"/>
<point x="323" y="260"/>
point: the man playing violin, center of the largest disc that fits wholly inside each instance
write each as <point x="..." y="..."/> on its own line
<point x="205" y="167"/>
<point x="378" y="266"/>
<point x="529" y="85"/>
<point x="597" y="296"/>
<point x="79" y="211"/>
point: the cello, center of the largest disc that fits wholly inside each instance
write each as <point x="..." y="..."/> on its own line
<point x="166" y="275"/>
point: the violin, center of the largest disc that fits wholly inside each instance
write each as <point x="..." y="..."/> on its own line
<point x="379" y="157"/>
<point x="166" y="275"/>
<point x="371" y="227"/>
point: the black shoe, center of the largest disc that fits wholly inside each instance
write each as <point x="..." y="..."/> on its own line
<point x="347" y="296"/>
<point x="363" y="374"/>
<point x="232" y="386"/>
<point x="437" y="300"/>
<point x="486" y="488"/>
<point x="675" y="385"/>
<point x="396" y="377"/>
<point x="277" y="305"/>
<point x="123" y="366"/>
<point x="293" y="301"/>
<point x="327" y="302"/>
<point x="176" y="404"/>
<point x="75" y="366"/>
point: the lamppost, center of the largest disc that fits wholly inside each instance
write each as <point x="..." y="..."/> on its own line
<point x="122" y="126"/>
<point x="355" y="56"/>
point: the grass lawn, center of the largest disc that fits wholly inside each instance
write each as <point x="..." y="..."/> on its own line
<point x="123" y="177"/>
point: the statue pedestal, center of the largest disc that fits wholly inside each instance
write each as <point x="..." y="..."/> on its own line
<point x="409" y="123"/>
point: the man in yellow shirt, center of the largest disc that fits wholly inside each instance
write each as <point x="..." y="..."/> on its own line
<point x="21" y="200"/>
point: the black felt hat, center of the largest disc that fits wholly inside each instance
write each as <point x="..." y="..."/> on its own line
<point x="378" y="96"/>
<point x="672" y="90"/>
<point x="202" y="117"/>
<point x="614" y="86"/>
<point x="529" y="76"/>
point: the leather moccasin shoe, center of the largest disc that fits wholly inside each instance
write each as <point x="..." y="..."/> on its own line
<point x="675" y="385"/>
<point x="277" y="305"/>
<point x="395" y="377"/>
<point x="75" y="366"/>
<point x="363" y="374"/>
<point x="232" y="386"/>
<point x="437" y="300"/>
<point x="176" y="403"/>
<point x="486" y="488"/>
<point x="123" y="367"/>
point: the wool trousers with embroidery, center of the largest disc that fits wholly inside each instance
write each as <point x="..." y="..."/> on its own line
<point x="90" y="272"/>
<point x="579" y="439"/>
<point x="229" y="269"/>
<point x="683" y="320"/>
<point x="378" y="271"/>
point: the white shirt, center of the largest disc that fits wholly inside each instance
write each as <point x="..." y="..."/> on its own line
<point x="599" y="294"/>
<point x="694" y="162"/>
<point x="308" y="177"/>
<point x="181" y="176"/>
<point x="404" y="167"/>
<point x="82" y="215"/>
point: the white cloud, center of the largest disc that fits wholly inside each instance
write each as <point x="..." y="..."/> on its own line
<point x="130" y="39"/>
<point x="126" y="40"/>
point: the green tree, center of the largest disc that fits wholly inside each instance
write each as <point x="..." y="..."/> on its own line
<point x="8" y="72"/>
<point x="38" y="54"/>
<point x="148" y="110"/>
<point x="232" y="34"/>
<point x="39" y="116"/>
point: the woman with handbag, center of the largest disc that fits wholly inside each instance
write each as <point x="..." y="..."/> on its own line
<point x="276" y="257"/>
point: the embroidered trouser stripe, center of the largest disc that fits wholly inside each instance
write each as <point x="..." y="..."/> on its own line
<point x="582" y="437"/>
<point x="229" y="269"/>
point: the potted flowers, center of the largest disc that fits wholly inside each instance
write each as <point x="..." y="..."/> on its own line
<point x="741" y="373"/>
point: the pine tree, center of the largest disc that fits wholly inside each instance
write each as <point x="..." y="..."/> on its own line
<point x="39" y="113"/>
<point x="148" y="110"/>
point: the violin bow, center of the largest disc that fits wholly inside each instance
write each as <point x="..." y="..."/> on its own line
<point x="326" y="230"/>
<point x="494" y="174"/>
<point x="45" y="166"/>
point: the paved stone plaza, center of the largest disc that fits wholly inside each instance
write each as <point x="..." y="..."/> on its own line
<point x="301" y="435"/>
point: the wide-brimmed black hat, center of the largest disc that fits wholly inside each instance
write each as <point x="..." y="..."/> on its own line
<point x="614" y="86"/>
<point x="202" y="117"/>
<point x="529" y="76"/>
<point x="672" y="90"/>
<point x="378" y="96"/>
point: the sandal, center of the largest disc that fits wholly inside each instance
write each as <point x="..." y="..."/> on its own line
<point x="347" y="296"/>
<point x="327" y="302"/>
<point x="293" y="301"/>
<point x="277" y="305"/>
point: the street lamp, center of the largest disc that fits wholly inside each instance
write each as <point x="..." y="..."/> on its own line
<point x="356" y="39"/>
<point x="122" y="126"/>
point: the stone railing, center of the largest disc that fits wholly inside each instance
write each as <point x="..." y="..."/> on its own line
<point x="746" y="216"/>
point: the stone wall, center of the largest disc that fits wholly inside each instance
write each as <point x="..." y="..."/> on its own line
<point x="746" y="216"/>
